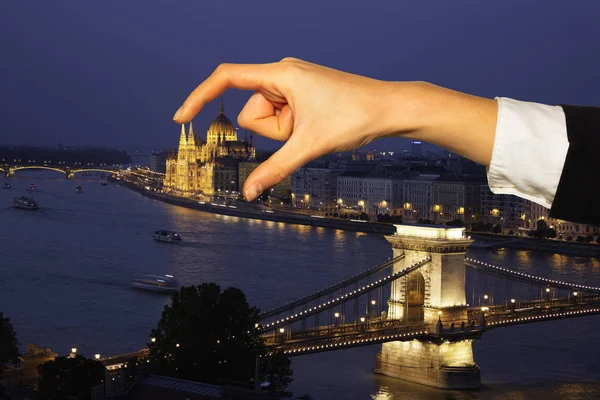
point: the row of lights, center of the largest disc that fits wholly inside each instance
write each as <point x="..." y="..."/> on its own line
<point x="513" y="301"/>
<point x="395" y="275"/>
<point x="337" y="315"/>
<point x="351" y="342"/>
<point x="538" y="317"/>
<point x="74" y="352"/>
<point x="384" y="264"/>
<point x="546" y="280"/>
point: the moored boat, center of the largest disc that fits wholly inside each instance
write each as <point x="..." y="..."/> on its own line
<point x="7" y="186"/>
<point x="156" y="283"/>
<point x="25" y="203"/>
<point x="166" y="236"/>
<point x="78" y="189"/>
<point x="32" y="187"/>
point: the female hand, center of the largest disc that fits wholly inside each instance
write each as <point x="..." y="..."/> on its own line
<point x="316" y="110"/>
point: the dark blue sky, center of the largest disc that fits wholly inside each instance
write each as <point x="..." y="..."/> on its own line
<point x="112" y="73"/>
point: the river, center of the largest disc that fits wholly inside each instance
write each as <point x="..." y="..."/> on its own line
<point x="65" y="270"/>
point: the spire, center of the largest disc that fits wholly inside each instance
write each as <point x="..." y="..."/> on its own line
<point x="246" y="136"/>
<point x="251" y="140"/>
<point x="191" y="139"/>
<point x="182" y="139"/>
<point x="222" y="107"/>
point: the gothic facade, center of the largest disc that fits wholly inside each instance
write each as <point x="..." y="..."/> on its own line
<point x="196" y="167"/>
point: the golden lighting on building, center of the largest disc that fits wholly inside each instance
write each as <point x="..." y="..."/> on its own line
<point x="437" y="208"/>
<point x="461" y="210"/>
<point x="407" y="206"/>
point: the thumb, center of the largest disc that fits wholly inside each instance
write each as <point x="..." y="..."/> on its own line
<point x="279" y="166"/>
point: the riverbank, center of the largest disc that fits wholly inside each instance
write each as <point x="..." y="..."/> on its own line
<point x="245" y="210"/>
<point x="492" y="241"/>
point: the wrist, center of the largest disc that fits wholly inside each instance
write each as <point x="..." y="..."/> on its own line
<point x="461" y="123"/>
<point x="403" y="109"/>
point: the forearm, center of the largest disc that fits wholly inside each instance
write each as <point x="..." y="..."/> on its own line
<point x="458" y="122"/>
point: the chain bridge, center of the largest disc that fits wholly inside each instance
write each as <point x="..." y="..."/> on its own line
<point x="426" y="305"/>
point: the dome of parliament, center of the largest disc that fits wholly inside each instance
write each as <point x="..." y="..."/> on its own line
<point x="222" y="126"/>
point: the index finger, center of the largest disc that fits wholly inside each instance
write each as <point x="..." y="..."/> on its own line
<point x="225" y="76"/>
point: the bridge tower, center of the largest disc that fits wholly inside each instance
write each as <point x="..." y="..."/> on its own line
<point x="434" y="294"/>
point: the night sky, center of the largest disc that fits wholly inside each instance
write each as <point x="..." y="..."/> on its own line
<point x="112" y="73"/>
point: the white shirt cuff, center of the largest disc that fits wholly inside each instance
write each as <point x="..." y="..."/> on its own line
<point x="529" y="152"/>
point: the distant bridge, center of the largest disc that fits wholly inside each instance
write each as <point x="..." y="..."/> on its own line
<point x="67" y="171"/>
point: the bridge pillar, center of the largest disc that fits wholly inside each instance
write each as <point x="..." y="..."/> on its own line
<point x="420" y="297"/>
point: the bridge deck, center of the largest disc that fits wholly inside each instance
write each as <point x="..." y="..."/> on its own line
<point x="344" y="336"/>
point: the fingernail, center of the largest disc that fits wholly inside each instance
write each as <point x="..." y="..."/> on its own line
<point x="177" y="114"/>
<point x="254" y="191"/>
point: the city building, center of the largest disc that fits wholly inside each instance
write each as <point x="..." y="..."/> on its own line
<point x="416" y="148"/>
<point x="499" y="209"/>
<point x="369" y="192"/>
<point x="315" y="187"/>
<point x="158" y="162"/>
<point x="192" y="169"/>
<point x="417" y="195"/>
<point x="449" y="199"/>
<point x="282" y="190"/>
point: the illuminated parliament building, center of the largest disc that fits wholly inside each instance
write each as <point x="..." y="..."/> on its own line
<point x="208" y="167"/>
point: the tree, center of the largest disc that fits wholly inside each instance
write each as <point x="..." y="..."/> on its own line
<point x="9" y="352"/>
<point x="542" y="231"/>
<point x="209" y="335"/>
<point x="69" y="377"/>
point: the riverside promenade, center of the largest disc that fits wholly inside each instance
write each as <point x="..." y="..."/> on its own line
<point x="246" y="210"/>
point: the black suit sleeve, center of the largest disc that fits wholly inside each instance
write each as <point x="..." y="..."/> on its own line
<point x="577" y="197"/>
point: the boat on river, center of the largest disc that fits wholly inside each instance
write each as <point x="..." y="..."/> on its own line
<point x="156" y="283"/>
<point x="7" y="186"/>
<point x="78" y="189"/>
<point x="25" y="203"/>
<point x="32" y="187"/>
<point x="166" y="236"/>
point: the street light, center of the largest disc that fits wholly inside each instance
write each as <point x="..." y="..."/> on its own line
<point x="574" y="293"/>
<point x="512" y="301"/>
<point x="337" y="315"/>
<point x="177" y="345"/>
<point x="362" y="319"/>
<point x="485" y="296"/>
<point x="73" y="350"/>
<point x="153" y="340"/>
<point x="547" y="290"/>
<point x="439" y="313"/>
<point x="97" y="356"/>
<point x="373" y="302"/>
<point x="281" y="330"/>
